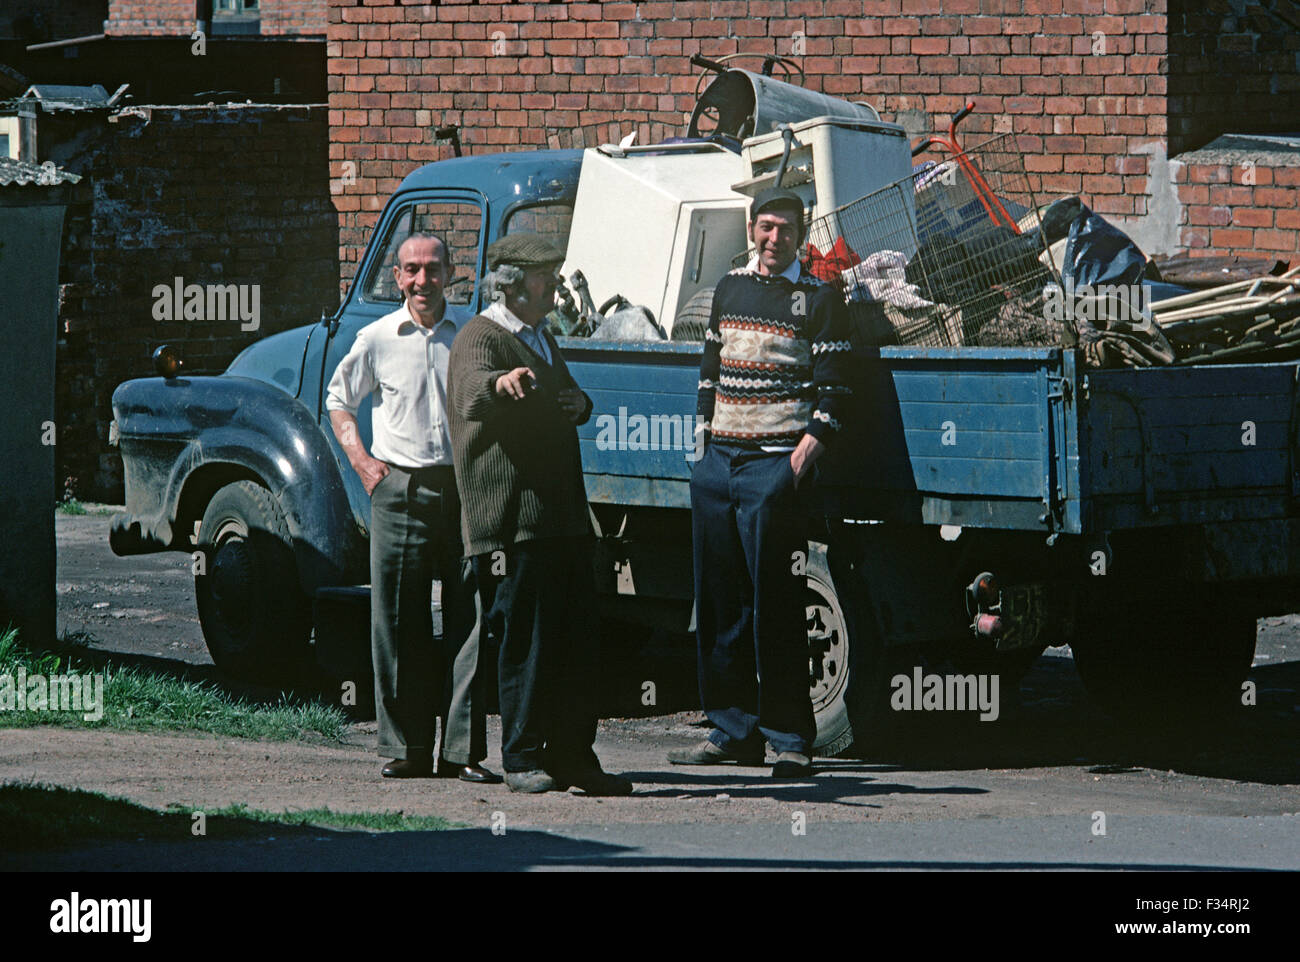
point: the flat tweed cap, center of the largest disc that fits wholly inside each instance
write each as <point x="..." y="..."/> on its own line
<point x="523" y="250"/>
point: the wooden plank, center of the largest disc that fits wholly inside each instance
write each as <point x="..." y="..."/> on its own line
<point x="1190" y="474"/>
<point x="645" y="403"/>
<point x="650" y="379"/>
<point x="996" y="446"/>
<point x="1112" y="513"/>
<point x="635" y="464"/>
<point x="975" y="387"/>
<point x="1162" y="412"/>
<point x="1226" y="380"/>
<point x="973" y="416"/>
<point x="607" y="489"/>
<point x="1205" y="440"/>
<point x="974" y="476"/>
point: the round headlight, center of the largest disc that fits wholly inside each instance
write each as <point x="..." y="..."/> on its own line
<point x="166" y="362"/>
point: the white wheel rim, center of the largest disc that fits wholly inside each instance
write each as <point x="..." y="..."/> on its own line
<point x="827" y="638"/>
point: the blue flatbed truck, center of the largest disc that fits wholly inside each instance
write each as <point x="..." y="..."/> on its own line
<point x="985" y="503"/>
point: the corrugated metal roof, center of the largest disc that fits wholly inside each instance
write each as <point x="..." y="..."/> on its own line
<point x="91" y="94"/>
<point x="19" y="173"/>
<point x="70" y="97"/>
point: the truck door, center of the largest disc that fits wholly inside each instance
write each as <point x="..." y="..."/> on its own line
<point x="459" y="218"/>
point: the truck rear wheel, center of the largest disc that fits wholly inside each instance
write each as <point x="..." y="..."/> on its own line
<point x="1169" y="660"/>
<point x="847" y="674"/>
<point x="256" y="620"/>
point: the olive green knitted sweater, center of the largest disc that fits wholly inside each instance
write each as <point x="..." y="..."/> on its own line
<point x="518" y="467"/>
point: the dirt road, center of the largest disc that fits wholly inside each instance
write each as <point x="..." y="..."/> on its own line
<point x="1053" y="756"/>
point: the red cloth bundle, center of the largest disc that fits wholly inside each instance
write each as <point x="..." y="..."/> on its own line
<point x="830" y="267"/>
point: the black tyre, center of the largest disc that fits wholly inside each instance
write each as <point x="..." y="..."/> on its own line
<point x="256" y="620"/>
<point x="693" y="319"/>
<point x="847" y="665"/>
<point x="1177" y="661"/>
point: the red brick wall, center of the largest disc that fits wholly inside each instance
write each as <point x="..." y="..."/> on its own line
<point x="153" y="18"/>
<point x="1085" y="81"/>
<point x="1033" y="67"/>
<point x="177" y="17"/>
<point x="294" y="17"/>
<point x="1234" y="66"/>
<point x="1233" y="208"/>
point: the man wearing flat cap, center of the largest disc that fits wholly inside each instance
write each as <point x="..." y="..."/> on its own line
<point x="772" y="393"/>
<point x="514" y="415"/>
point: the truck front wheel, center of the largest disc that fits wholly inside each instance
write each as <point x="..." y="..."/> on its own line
<point x="256" y="620"/>
<point x="1179" y="661"/>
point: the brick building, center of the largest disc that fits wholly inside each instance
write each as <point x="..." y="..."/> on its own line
<point x="183" y="183"/>
<point x="167" y="202"/>
<point x="1109" y="95"/>
<point x="172" y="51"/>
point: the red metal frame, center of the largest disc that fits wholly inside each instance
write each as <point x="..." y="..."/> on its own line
<point x="983" y="191"/>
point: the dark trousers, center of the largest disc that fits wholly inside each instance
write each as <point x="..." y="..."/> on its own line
<point x="748" y="524"/>
<point x="414" y="539"/>
<point x="538" y="599"/>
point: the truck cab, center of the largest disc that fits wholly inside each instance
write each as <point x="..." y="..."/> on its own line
<point x="242" y="471"/>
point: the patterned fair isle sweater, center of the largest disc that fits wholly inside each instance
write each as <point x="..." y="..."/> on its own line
<point x="775" y="360"/>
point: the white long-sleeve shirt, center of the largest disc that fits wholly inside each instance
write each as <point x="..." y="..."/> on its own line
<point x="404" y="365"/>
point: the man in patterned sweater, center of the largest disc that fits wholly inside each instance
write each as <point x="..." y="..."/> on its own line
<point x="773" y="388"/>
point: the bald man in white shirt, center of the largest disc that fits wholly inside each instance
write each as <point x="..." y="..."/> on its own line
<point x="401" y="359"/>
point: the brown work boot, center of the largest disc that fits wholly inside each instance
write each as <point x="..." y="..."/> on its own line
<point x="707" y="753"/>
<point x="531" y="782"/>
<point x="792" y="765"/>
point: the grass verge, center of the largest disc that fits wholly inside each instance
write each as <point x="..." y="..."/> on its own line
<point x="40" y="817"/>
<point x="136" y="700"/>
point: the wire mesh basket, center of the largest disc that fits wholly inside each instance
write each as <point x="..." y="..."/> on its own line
<point x="950" y="256"/>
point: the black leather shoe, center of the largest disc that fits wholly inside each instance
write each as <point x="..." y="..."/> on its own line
<point x="409" y="768"/>
<point x="476" y="774"/>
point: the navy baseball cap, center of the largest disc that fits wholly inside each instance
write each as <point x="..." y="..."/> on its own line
<point x="776" y="198"/>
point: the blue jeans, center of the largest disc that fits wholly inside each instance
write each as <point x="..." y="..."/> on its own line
<point x="748" y="524"/>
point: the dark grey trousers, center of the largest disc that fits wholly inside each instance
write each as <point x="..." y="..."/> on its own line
<point x="538" y="598"/>
<point x="415" y="539"/>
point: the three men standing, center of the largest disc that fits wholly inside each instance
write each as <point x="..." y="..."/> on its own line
<point x="401" y="359"/>
<point x="772" y="392"/>
<point x="497" y="393"/>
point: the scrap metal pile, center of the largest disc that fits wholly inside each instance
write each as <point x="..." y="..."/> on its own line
<point x="963" y="251"/>
<point x="951" y="256"/>
<point x="961" y="255"/>
<point x="1243" y="321"/>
